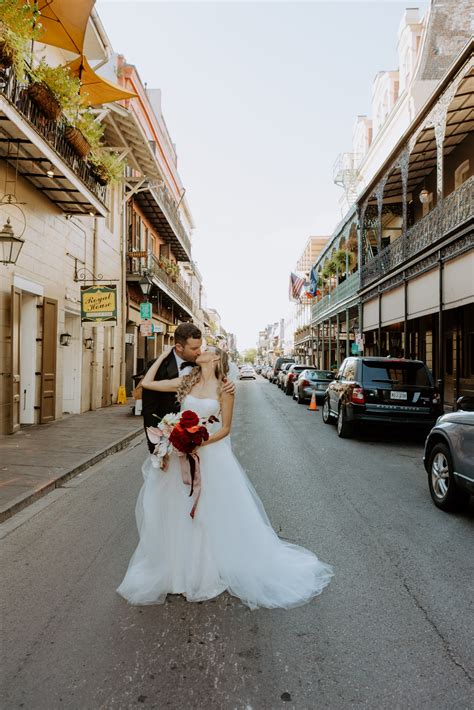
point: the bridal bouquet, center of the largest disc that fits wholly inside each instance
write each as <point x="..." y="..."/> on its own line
<point x="184" y="433"/>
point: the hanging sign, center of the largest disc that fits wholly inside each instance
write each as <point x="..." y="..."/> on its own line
<point x="146" y="328"/>
<point x="158" y="328"/>
<point x="145" y="310"/>
<point x="98" y="304"/>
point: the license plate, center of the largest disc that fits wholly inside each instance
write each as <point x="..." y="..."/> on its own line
<point x="398" y="395"/>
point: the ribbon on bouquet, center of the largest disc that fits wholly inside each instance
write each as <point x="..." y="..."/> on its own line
<point x="191" y="476"/>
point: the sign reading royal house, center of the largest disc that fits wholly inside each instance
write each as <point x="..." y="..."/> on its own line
<point x="98" y="304"/>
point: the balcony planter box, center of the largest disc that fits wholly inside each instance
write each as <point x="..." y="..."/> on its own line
<point x="44" y="99"/>
<point x="77" y="141"/>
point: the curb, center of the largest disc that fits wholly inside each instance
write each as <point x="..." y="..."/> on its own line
<point x="29" y="498"/>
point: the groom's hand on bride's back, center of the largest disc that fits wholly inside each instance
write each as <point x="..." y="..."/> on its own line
<point x="228" y="386"/>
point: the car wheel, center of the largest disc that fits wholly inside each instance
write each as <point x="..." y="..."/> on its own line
<point x="327" y="416"/>
<point x="344" y="429"/>
<point x="444" y="492"/>
<point x="287" y="391"/>
<point x="300" y="399"/>
<point x="294" y="394"/>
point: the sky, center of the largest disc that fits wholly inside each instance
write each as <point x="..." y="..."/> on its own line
<point x="259" y="98"/>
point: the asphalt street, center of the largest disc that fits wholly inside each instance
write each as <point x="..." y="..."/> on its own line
<point x="393" y="630"/>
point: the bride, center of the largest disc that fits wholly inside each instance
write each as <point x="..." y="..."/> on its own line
<point x="229" y="544"/>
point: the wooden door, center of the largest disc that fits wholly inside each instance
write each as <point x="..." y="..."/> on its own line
<point x="106" y="366"/>
<point x="48" y="361"/>
<point x="15" y="357"/>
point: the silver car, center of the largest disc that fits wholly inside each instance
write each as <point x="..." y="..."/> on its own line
<point x="449" y="457"/>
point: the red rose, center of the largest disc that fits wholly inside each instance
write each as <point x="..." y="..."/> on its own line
<point x="189" y="419"/>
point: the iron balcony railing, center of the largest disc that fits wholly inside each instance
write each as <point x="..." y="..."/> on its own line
<point x="53" y="131"/>
<point x="341" y="293"/>
<point x="453" y="211"/>
<point x="169" y="208"/>
<point x="176" y="287"/>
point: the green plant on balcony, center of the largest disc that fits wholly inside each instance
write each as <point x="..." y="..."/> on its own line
<point x="53" y="89"/>
<point x="18" y="27"/>
<point x="84" y="132"/>
<point x="169" y="267"/>
<point x="106" y="167"/>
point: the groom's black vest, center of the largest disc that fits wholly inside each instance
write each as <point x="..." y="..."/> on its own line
<point x="160" y="403"/>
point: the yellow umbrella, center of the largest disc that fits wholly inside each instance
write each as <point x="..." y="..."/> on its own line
<point x="95" y="89"/>
<point x="64" y="22"/>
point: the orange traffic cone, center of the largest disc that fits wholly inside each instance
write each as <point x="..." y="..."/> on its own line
<point x="313" y="404"/>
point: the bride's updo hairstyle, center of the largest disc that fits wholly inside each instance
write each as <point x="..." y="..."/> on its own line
<point x="221" y="371"/>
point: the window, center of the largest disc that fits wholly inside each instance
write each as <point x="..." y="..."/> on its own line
<point x="461" y="174"/>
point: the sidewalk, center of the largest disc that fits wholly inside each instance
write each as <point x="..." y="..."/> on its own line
<point x="40" y="458"/>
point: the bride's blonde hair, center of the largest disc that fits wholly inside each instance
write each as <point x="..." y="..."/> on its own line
<point x="221" y="371"/>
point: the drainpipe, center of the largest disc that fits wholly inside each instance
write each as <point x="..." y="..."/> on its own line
<point x="123" y="241"/>
<point x="94" y="363"/>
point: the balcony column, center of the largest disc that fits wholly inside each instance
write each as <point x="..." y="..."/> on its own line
<point x="329" y="342"/>
<point x="338" y="345"/>
<point x="404" y="163"/>
<point x="321" y="326"/>
<point x="348" y="342"/>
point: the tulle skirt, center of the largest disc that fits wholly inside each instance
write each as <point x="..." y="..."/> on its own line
<point x="229" y="545"/>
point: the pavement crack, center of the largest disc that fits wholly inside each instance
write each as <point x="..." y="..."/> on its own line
<point x="449" y="651"/>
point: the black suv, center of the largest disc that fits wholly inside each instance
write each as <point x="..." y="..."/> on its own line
<point x="383" y="389"/>
<point x="277" y="367"/>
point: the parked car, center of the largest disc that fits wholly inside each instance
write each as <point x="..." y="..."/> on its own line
<point x="247" y="373"/>
<point x="277" y="367"/>
<point x="310" y="381"/>
<point x="290" y="376"/>
<point x="281" y="373"/>
<point x="449" y="457"/>
<point x="381" y="389"/>
<point x="258" y="369"/>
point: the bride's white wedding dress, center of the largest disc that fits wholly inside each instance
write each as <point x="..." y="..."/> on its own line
<point x="229" y="545"/>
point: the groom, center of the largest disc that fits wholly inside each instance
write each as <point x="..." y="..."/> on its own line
<point x="180" y="361"/>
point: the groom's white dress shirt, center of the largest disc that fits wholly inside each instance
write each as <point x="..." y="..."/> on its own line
<point x="179" y="360"/>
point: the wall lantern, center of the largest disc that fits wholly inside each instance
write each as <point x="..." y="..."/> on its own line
<point x="10" y="245"/>
<point x="145" y="285"/>
<point x="424" y="196"/>
<point x="88" y="343"/>
<point x="65" y="338"/>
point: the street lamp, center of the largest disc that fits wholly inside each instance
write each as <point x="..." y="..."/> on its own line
<point x="10" y="245"/>
<point x="145" y="285"/>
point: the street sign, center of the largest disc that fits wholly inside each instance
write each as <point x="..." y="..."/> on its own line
<point x="146" y="329"/>
<point x="98" y="304"/>
<point x="158" y="328"/>
<point x="145" y="310"/>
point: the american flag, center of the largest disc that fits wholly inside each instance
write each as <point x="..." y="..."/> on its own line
<point x="296" y="286"/>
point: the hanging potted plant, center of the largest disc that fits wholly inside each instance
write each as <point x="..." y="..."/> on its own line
<point x="105" y="166"/>
<point x="84" y="133"/>
<point x="53" y="89"/>
<point x="18" y="27"/>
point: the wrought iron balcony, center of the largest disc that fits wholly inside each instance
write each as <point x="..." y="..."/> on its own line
<point x="341" y="293"/>
<point x="176" y="288"/>
<point x="46" y="142"/>
<point x="456" y="209"/>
